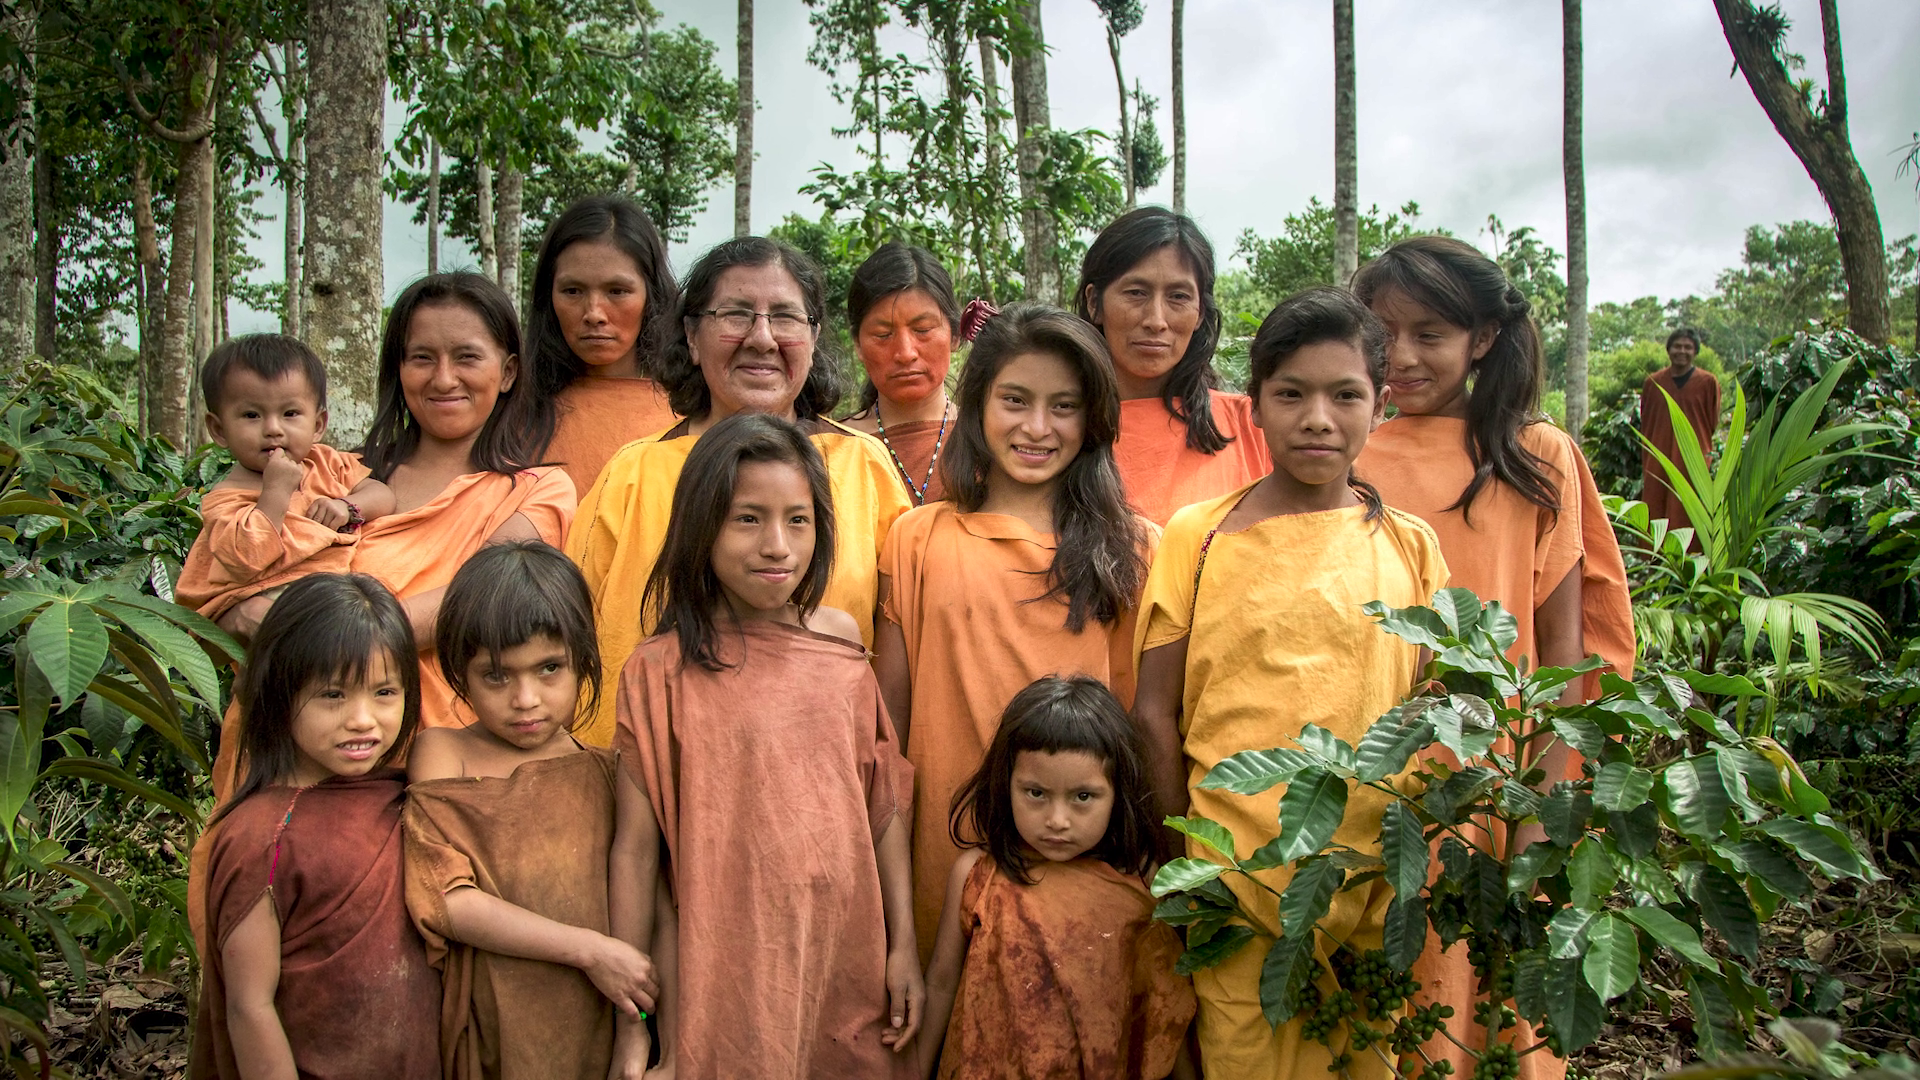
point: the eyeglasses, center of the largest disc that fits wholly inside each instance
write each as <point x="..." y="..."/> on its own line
<point x="786" y="327"/>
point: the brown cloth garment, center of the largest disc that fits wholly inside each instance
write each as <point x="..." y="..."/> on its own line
<point x="357" y="997"/>
<point x="1699" y="401"/>
<point x="239" y="553"/>
<point x="596" y="417"/>
<point x="771" y="781"/>
<point x="912" y="446"/>
<point x="540" y="839"/>
<point x="1067" y="977"/>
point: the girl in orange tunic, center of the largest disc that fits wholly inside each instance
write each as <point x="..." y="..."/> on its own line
<point x="1147" y="284"/>
<point x="754" y="725"/>
<point x="1032" y="567"/>
<point x="904" y="319"/>
<point x="1048" y="961"/>
<point x="1509" y="495"/>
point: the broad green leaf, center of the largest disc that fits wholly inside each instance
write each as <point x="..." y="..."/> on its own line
<point x="1759" y="859"/>
<point x="14" y="606"/>
<point x="1217" y="948"/>
<point x="1650" y="716"/>
<point x="1500" y="625"/>
<point x="1722" y="685"/>
<point x="1416" y="625"/>
<point x="1182" y="909"/>
<point x="1646" y="875"/>
<point x="1621" y="785"/>
<point x="68" y="643"/>
<point x="173" y="647"/>
<point x="21" y="731"/>
<point x="1724" y="905"/>
<point x="1575" y="1010"/>
<point x="1612" y="963"/>
<point x="1695" y="797"/>
<point x="105" y="724"/>
<point x="1486" y="889"/>
<point x="1590" y="874"/>
<point x="1717" y="1026"/>
<point x="1385" y="748"/>
<point x="1580" y="733"/>
<point x="1546" y="683"/>
<point x="1460" y="730"/>
<point x="1447" y="801"/>
<point x="62" y="935"/>
<point x="1267" y="856"/>
<point x="186" y="619"/>
<point x="1564" y="814"/>
<point x="1406" y="930"/>
<point x="1289" y="964"/>
<point x="1672" y="933"/>
<point x="1182" y="874"/>
<point x="1328" y="750"/>
<point x="1734" y="781"/>
<point x="1251" y="772"/>
<point x="1518" y="800"/>
<point x="1763" y="778"/>
<point x="1313" y="807"/>
<point x="1822" y="845"/>
<point x="1459" y="609"/>
<point x="1211" y="833"/>
<point x="1637" y="832"/>
<point x="1307" y="897"/>
<point x="1567" y="933"/>
<point x="115" y="896"/>
<point x="1536" y="862"/>
<point x="101" y="772"/>
<point x="1713" y="725"/>
<point x="1530" y="984"/>
<point x="1404" y="849"/>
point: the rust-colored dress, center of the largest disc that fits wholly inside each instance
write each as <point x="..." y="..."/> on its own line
<point x="357" y="997"/>
<point x="911" y="447"/>
<point x="596" y="417"/>
<point x="1161" y="473"/>
<point x="965" y="592"/>
<point x="239" y="553"/>
<point x="1067" y="977"/>
<point x="771" y="781"/>
<point x="1699" y="402"/>
<point x="539" y="838"/>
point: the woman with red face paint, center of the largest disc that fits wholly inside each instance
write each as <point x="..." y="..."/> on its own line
<point x="1147" y="284"/>
<point x="905" y="318"/>
<point x="603" y="294"/>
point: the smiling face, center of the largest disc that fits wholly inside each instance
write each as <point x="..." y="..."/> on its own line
<point x="343" y="728"/>
<point x="1034" y="419"/>
<point x="1681" y="353"/>
<point x="1149" y="315"/>
<point x="1316" y="411"/>
<point x="1428" y="357"/>
<point x="260" y="417"/>
<point x="600" y="300"/>
<point x="754" y="372"/>
<point x="766" y="543"/>
<point x="453" y="372"/>
<point x="528" y="696"/>
<point x="906" y="345"/>
<point x="1061" y="802"/>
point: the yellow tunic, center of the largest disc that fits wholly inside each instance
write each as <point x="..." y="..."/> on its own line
<point x="622" y="525"/>
<point x="1277" y="641"/>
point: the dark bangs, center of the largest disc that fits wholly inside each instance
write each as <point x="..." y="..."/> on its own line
<point x="505" y="596"/>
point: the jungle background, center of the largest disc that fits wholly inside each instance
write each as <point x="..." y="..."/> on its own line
<point x="147" y="144"/>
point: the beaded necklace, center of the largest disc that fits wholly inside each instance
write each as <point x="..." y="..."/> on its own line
<point x="919" y="493"/>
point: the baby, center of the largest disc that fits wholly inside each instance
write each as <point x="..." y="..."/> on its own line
<point x="290" y="506"/>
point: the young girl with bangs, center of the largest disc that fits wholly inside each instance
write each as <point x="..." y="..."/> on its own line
<point x="751" y="720"/>
<point x="1031" y="567"/>
<point x="1508" y="493"/>
<point x="521" y="866"/>
<point x="311" y="964"/>
<point x="1251" y="629"/>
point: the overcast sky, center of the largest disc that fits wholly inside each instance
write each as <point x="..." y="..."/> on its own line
<point x="1459" y="108"/>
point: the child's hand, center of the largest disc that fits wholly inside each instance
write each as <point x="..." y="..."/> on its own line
<point x="625" y="975"/>
<point x="907" y="995"/>
<point x="329" y="513"/>
<point x="279" y="472"/>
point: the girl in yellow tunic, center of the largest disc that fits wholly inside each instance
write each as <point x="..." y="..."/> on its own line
<point x="1251" y="629"/>
<point x="749" y="323"/>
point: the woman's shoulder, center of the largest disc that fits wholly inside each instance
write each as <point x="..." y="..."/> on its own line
<point x="833" y="622"/>
<point x="1234" y="408"/>
<point x="1550" y="442"/>
<point x="1190" y="523"/>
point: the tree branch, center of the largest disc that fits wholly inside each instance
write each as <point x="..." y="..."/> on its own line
<point x="1836" y="66"/>
<point x="266" y="129"/>
<point x="193" y="132"/>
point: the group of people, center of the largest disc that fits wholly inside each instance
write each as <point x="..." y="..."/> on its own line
<point x="616" y="710"/>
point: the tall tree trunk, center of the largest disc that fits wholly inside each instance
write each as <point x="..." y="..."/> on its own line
<point x="507" y="234"/>
<point x="743" y="125"/>
<point x="172" y="391"/>
<point x="1126" y="129"/>
<point x="207" y="225"/>
<point x="293" y="107"/>
<point x="1179" y="107"/>
<point x="433" y="206"/>
<point x="46" y="247"/>
<point x="346" y="110"/>
<point x="1031" y="119"/>
<point x="1822" y="144"/>
<point x="996" y="179"/>
<point x="484" y="210"/>
<point x="1346" y="149"/>
<point x="16" y="206"/>
<point x="152" y="291"/>
<point x="1573" y="158"/>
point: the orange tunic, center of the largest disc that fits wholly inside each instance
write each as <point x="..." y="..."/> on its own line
<point x="1161" y="473"/>
<point x="1067" y="977"/>
<point x="239" y="553"/>
<point x="1699" y="402"/>
<point x="964" y="592"/>
<point x="1517" y="553"/>
<point x="771" y="781"/>
<point x="912" y="447"/>
<point x="599" y="416"/>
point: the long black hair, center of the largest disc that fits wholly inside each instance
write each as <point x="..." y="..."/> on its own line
<point x="683" y="593"/>
<point x="1311" y="317"/>
<point x="687" y="386"/>
<point x="508" y="441"/>
<point x="895" y="268"/>
<point x="506" y="595"/>
<point x="325" y="628"/>
<point x="1119" y="248"/>
<point x="1098" y="566"/>
<point x="610" y="219"/>
<point x="1058" y="715"/>
<point x="1470" y="291"/>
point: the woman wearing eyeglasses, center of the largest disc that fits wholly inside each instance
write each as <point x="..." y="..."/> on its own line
<point x="749" y="341"/>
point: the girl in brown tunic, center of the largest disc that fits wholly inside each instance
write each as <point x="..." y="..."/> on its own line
<point x="513" y="830"/>
<point x="295" y="895"/>
<point x="755" y="726"/>
<point x="1049" y="962"/>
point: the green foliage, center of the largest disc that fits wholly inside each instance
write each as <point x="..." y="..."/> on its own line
<point x="1302" y="254"/>
<point x="1638" y="859"/>
<point x="1813" y="1051"/>
<point x="1616" y="374"/>
<point x="676" y="133"/>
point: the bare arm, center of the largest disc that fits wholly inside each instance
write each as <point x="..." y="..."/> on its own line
<point x="890" y="667"/>
<point x="633" y="875"/>
<point x="906" y="988"/>
<point x="251" y="957"/>
<point x="620" y="971"/>
<point x="943" y="974"/>
<point x="374" y="499"/>
<point x="666" y="957"/>
<point x="243" y="619"/>
<point x="1156" y="712"/>
<point x="279" y="478"/>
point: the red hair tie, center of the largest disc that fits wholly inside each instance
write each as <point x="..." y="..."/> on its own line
<point x="975" y="317"/>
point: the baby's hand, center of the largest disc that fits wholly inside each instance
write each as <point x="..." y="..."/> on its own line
<point x="279" y="471"/>
<point x="331" y="513"/>
<point x="625" y="975"/>
<point x="632" y="1045"/>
